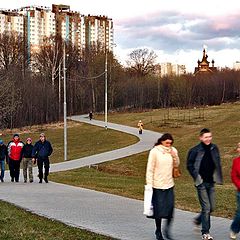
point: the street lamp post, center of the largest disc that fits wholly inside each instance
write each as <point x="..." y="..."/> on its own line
<point x="64" y="101"/>
<point x="59" y="90"/>
<point x="65" y="96"/>
<point x="106" y="89"/>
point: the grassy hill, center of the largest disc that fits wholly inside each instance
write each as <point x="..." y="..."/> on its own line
<point x="127" y="176"/>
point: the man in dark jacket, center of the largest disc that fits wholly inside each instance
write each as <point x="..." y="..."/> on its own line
<point x="204" y="165"/>
<point x="3" y="155"/>
<point x="41" y="152"/>
<point x="14" y="148"/>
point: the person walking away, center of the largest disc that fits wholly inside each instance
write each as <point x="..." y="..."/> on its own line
<point x="27" y="160"/>
<point x="159" y="176"/>
<point x="235" y="175"/>
<point x="90" y="115"/>
<point x="14" y="149"/>
<point x="3" y="156"/>
<point x="140" y="126"/>
<point x="41" y="151"/>
<point x="204" y="165"/>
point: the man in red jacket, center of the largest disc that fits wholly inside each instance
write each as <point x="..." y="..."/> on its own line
<point x="15" y="156"/>
<point x="235" y="174"/>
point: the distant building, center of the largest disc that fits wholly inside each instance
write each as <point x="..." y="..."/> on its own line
<point x="99" y="30"/>
<point x="38" y="22"/>
<point x="203" y="66"/>
<point x="166" y="69"/>
<point x="11" y="21"/>
<point x="236" y="66"/>
<point x="169" y="69"/>
<point x="178" y="69"/>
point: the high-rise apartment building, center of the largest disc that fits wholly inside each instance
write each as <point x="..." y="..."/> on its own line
<point x="38" y="22"/>
<point x="99" y="31"/>
<point x="11" y="21"/>
<point x="68" y="24"/>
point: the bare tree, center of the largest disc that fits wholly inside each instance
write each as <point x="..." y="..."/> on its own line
<point x="142" y="61"/>
<point x="47" y="59"/>
<point x="12" y="51"/>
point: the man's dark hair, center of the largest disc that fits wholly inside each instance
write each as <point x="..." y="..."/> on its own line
<point x="204" y="130"/>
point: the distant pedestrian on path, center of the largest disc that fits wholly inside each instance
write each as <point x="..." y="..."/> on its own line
<point x="14" y="148"/>
<point x="41" y="152"/>
<point x="204" y="165"/>
<point x="27" y="160"/>
<point x="235" y="175"/>
<point x="3" y="157"/>
<point x="140" y="126"/>
<point x="159" y="176"/>
<point x="90" y="115"/>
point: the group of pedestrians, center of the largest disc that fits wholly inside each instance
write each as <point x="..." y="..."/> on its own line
<point x="204" y="166"/>
<point x="16" y="151"/>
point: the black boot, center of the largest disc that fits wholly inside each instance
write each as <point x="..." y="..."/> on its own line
<point x="159" y="235"/>
<point x="168" y="236"/>
<point x="46" y="180"/>
<point x="166" y="231"/>
<point x="40" y="180"/>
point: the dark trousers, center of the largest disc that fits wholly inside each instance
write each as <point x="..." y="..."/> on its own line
<point x="40" y="163"/>
<point x="14" y="167"/>
<point x="235" y="226"/>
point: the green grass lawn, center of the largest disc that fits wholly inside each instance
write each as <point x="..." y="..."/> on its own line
<point x="127" y="176"/>
<point x="17" y="224"/>
<point x="84" y="140"/>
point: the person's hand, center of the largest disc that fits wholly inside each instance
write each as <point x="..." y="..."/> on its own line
<point x="173" y="153"/>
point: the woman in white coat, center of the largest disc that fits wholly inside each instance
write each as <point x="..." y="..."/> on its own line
<point x="159" y="176"/>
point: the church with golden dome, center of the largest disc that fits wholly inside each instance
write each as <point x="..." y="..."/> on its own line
<point x="203" y="66"/>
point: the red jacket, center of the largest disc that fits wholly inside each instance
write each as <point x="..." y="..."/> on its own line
<point x="15" y="150"/>
<point x="235" y="173"/>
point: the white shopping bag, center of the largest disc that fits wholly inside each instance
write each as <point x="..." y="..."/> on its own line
<point x="148" y="207"/>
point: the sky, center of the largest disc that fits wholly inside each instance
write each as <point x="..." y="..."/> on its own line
<point x="175" y="30"/>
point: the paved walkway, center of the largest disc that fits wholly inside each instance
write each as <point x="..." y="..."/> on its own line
<point x="103" y="213"/>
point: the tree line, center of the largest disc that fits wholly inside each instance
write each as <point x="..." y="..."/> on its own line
<point x="31" y="89"/>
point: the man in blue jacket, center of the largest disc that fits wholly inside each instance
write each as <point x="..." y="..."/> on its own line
<point x="204" y="165"/>
<point x="41" y="151"/>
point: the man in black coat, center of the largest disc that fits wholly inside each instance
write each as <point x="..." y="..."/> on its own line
<point x="41" y="152"/>
<point x="204" y="165"/>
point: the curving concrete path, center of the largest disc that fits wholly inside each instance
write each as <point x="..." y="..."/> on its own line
<point x="103" y="213"/>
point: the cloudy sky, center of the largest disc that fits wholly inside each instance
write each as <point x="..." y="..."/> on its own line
<point x="176" y="30"/>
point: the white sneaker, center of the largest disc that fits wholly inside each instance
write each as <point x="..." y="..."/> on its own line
<point x="233" y="235"/>
<point x="207" y="237"/>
